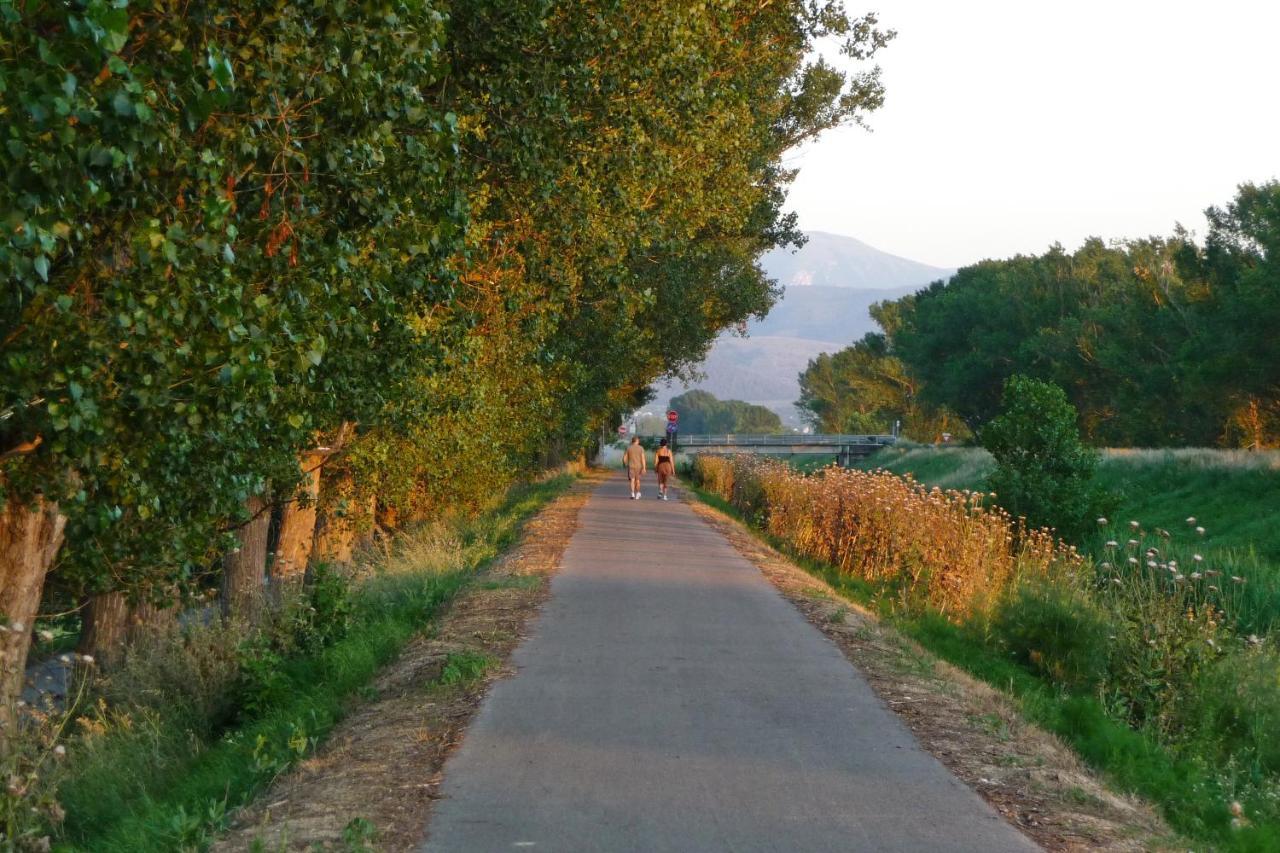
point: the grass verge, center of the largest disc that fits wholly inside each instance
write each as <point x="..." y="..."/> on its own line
<point x="1224" y="491"/>
<point x="157" y="782"/>
<point x="1193" y="797"/>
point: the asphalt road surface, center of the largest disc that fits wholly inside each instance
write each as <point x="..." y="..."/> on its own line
<point x="670" y="699"/>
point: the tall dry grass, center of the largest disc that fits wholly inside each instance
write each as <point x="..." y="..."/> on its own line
<point x="948" y="549"/>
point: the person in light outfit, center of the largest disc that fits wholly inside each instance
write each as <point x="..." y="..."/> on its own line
<point x="634" y="461"/>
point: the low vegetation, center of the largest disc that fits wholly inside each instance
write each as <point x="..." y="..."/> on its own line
<point x="1150" y="662"/>
<point x="1225" y="491"/>
<point x="156" y="754"/>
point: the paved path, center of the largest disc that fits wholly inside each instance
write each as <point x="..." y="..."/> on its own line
<point x="671" y="700"/>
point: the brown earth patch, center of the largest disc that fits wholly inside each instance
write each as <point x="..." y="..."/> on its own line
<point x="1034" y="780"/>
<point x="372" y="783"/>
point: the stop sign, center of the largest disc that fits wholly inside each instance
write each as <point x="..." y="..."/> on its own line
<point x="672" y="416"/>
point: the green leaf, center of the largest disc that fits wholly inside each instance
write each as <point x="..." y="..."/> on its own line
<point x="122" y="105"/>
<point x="115" y="24"/>
<point x="41" y="265"/>
<point x="220" y="69"/>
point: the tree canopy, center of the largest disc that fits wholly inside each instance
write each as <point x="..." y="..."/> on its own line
<point x="432" y="246"/>
<point x="1157" y="342"/>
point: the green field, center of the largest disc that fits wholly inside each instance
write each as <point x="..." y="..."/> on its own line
<point x="1234" y="495"/>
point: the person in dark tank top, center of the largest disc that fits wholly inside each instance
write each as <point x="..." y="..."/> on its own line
<point x="664" y="465"/>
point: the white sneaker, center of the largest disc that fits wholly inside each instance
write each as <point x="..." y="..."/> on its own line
<point x="637" y="496"/>
<point x="664" y="496"/>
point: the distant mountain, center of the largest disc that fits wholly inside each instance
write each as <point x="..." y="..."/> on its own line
<point x="759" y="370"/>
<point x="831" y="260"/>
<point x="828" y="287"/>
<point x="837" y="314"/>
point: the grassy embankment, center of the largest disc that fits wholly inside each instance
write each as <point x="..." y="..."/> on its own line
<point x="1135" y="667"/>
<point x="164" y="774"/>
<point x="1233" y="494"/>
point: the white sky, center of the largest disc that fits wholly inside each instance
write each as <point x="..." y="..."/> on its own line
<point x="1012" y="124"/>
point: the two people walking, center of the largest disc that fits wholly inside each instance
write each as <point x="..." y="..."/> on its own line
<point x="635" y="461"/>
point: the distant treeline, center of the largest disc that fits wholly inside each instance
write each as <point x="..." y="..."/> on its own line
<point x="701" y="412"/>
<point x="1158" y="342"/>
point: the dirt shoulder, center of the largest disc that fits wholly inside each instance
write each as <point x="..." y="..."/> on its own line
<point x="372" y="783"/>
<point x="1026" y="774"/>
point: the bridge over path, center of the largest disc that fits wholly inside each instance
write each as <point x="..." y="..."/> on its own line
<point x="845" y="448"/>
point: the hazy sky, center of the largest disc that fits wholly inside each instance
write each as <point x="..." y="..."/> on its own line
<point x="1011" y="125"/>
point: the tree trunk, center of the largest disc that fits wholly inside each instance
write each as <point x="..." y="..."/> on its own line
<point x="388" y="517"/>
<point x="335" y="540"/>
<point x="104" y="628"/>
<point x="244" y="569"/>
<point x="146" y="618"/>
<point x="110" y="624"/>
<point x="336" y="533"/>
<point x="30" y="536"/>
<point x="298" y="524"/>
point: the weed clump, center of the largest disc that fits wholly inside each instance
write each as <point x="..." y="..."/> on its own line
<point x="1058" y="632"/>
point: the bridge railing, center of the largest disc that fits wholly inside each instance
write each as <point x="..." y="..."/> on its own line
<point x="793" y="440"/>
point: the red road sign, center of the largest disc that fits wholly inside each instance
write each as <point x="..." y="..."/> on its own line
<point x="622" y="429"/>
<point x="673" y="416"/>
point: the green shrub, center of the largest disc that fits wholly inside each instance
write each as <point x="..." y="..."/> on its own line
<point x="1043" y="471"/>
<point x="322" y="614"/>
<point x="1058" y="632"/>
<point x="1233" y="711"/>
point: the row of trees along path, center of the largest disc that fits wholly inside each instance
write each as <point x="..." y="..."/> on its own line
<point x="335" y="265"/>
